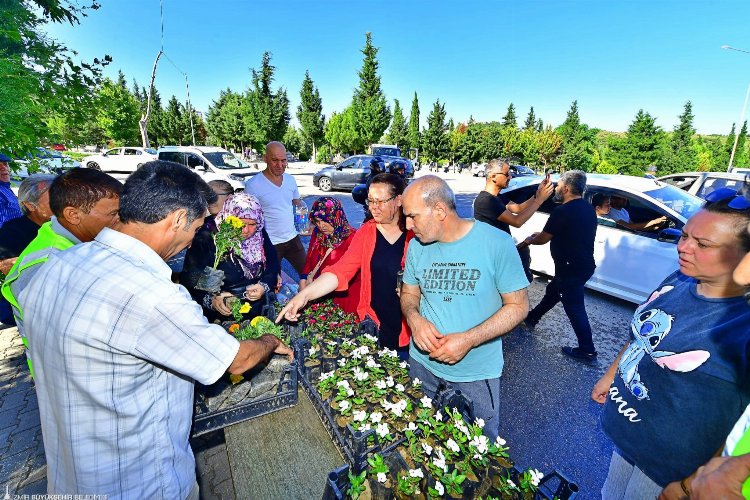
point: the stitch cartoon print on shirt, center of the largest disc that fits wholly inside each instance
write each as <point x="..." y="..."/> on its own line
<point x="649" y="328"/>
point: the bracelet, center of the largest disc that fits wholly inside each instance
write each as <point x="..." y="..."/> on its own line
<point x="208" y="301"/>
<point x="684" y="487"/>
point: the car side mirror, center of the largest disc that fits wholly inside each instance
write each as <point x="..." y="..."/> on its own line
<point x="339" y="167"/>
<point x="669" y="235"/>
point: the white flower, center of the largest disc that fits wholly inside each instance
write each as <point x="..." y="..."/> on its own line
<point x="499" y="442"/>
<point x="359" y="416"/>
<point x="380" y="384"/>
<point x="359" y="374"/>
<point x="350" y="392"/>
<point x="342" y="383"/>
<point x="439" y="488"/>
<point x="347" y="342"/>
<point x="426" y="402"/>
<point x="416" y="382"/>
<point x="400" y="387"/>
<point x="344" y="405"/>
<point x="389" y="381"/>
<point x="376" y="417"/>
<point x="536" y="476"/>
<point x="427" y="448"/>
<point x="365" y="427"/>
<point x="326" y="376"/>
<point x="481" y="443"/>
<point x="512" y="484"/>
<point x="381" y="477"/>
<point x="369" y="337"/>
<point x="439" y="460"/>
<point x="387" y="352"/>
<point x="398" y="408"/>
<point x="439" y="416"/>
<point x="382" y="430"/>
<point x="403" y="365"/>
<point x="371" y="363"/>
<point x="411" y="427"/>
<point x="479" y="423"/>
<point x="452" y="445"/>
<point x="341" y="362"/>
<point x="416" y="473"/>
<point x="461" y="426"/>
<point x="314" y="350"/>
<point x="331" y="343"/>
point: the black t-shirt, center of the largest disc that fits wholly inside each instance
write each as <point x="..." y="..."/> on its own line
<point x="15" y="236"/>
<point x="384" y="266"/>
<point x="487" y="208"/>
<point x="573" y="229"/>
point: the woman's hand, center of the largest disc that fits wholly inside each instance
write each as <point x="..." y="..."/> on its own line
<point x="254" y="292"/>
<point x="601" y="389"/>
<point x="302" y="284"/>
<point x="291" y="309"/>
<point x="219" y="306"/>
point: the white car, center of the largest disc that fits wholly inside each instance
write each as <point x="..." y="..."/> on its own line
<point x="211" y="163"/>
<point x="701" y="184"/>
<point x="42" y="160"/>
<point x="125" y="160"/>
<point x="629" y="264"/>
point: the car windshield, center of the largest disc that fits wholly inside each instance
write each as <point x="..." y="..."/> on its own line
<point x="224" y="160"/>
<point x="524" y="170"/>
<point x="678" y="200"/>
<point x="386" y="152"/>
<point x="150" y="151"/>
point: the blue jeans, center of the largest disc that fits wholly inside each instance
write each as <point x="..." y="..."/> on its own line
<point x="625" y="481"/>
<point x="485" y="394"/>
<point x="568" y="289"/>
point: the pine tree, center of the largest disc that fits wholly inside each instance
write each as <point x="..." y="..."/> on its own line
<point x="740" y="155"/>
<point x="398" y="131"/>
<point x="578" y="142"/>
<point x="310" y="114"/>
<point x="413" y="136"/>
<point x="641" y="146"/>
<point x="121" y="80"/>
<point x="369" y="104"/>
<point x="265" y="113"/>
<point x="530" y="122"/>
<point x="436" y="141"/>
<point x="680" y="155"/>
<point x="510" y="120"/>
<point x="539" y="125"/>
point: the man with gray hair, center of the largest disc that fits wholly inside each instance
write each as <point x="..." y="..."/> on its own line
<point x="457" y="301"/>
<point x="571" y="229"/>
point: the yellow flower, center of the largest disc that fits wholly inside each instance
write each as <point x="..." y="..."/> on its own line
<point x="245" y="308"/>
<point x="234" y="221"/>
<point x="235" y="379"/>
<point x="258" y="320"/>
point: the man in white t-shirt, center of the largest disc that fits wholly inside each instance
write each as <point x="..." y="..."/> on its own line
<point x="620" y="215"/>
<point x="278" y="193"/>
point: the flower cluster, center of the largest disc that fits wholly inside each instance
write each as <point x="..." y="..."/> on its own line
<point x="227" y="238"/>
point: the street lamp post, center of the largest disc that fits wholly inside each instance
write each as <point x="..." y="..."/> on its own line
<point x="742" y="115"/>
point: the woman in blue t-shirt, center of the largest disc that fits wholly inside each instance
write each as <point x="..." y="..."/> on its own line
<point x="674" y="392"/>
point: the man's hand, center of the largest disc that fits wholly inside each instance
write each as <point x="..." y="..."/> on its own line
<point x="721" y="477"/>
<point x="291" y="310"/>
<point x="424" y="334"/>
<point x="673" y="491"/>
<point x="254" y="292"/>
<point x="219" y="305"/>
<point x="282" y="348"/>
<point x="601" y="389"/>
<point x="544" y="190"/>
<point x="452" y="348"/>
<point x="6" y="264"/>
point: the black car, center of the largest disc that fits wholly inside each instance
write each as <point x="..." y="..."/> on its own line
<point x="355" y="170"/>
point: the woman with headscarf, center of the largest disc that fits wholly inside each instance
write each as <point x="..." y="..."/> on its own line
<point x="247" y="275"/>
<point x="329" y="241"/>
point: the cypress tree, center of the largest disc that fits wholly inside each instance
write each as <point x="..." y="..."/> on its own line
<point x="530" y="122"/>
<point x="310" y="114"/>
<point x="398" y="132"/>
<point x="413" y="136"/>
<point x="509" y="120"/>
<point x="369" y="104"/>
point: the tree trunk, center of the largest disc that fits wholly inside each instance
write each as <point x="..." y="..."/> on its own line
<point x="143" y="123"/>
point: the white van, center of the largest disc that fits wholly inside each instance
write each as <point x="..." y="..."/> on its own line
<point x="211" y="163"/>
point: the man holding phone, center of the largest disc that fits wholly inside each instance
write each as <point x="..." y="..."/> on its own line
<point x="490" y="207"/>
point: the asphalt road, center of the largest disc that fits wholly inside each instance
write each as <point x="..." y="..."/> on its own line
<point x="549" y="419"/>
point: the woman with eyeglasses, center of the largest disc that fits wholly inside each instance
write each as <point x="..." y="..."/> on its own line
<point x="376" y="254"/>
<point x="248" y="275"/>
<point x="673" y="393"/>
<point x="329" y="242"/>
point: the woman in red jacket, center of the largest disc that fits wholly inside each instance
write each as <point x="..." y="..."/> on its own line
<point x="329" y="241"/>
<point x="377" y="253"/>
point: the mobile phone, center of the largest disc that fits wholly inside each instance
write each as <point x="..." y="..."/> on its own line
<point x="546" y="177"/>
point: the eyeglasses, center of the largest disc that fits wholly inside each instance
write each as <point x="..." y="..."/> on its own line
<point x="738" y="199"/>
<point x="506" y="174"/>
<point x="378" y="203"/>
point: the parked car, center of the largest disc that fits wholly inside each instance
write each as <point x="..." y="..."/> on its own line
<point x="701" y="184"/>
<point x="479" y="170"/>
<point x="125" y="160"/>
<point x="42" y="160"/>
<point x="629" y="264"/>
<point x="211" y="163"/>
<point x="58" y="147"/>
<point x="354" y="170"/>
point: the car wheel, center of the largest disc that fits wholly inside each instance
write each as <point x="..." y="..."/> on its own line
<point x="93" y="165"/>
<point x="324" y="183"/>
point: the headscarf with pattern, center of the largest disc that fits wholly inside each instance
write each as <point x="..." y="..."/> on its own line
<point x="244" y="206"/>
<point x="329" y="209"/>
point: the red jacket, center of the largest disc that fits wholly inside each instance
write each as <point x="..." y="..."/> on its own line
<point x="357" y="259"/>
<point x="348" y="299"/>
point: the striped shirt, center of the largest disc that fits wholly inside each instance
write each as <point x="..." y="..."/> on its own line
<point x="116" y="348"/>
<point x="9" y="206"/>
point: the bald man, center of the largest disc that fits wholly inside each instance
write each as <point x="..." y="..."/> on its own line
<point x="278" y="194"/>
<point x="458" y="301"/>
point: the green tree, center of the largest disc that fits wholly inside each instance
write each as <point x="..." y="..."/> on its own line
<point x="414" y="138"/>
<point x="369" y="104"/>
<point x="341" y="132"/>
<point x="224" y="120"/>
<point x="265" y="112"/>
<point x="510" y="120"/>
<point x="740" y="155"/>
<point x="549" y="144"/>
<point x="293" y="140"/>
<point x="398" y="131"/>
<point x="310" y="114"/>
<point x="530" y="123"/>
<point x="435" y="141"/>
<point x="680" y="154"/>
<point x="172" y="124"/>
<point x="641" y="147"/>
<point x="118" y="113"/>
<point x="539" y="125"/>
<point x="40" y="80"/>
<point x="578" y="142"/>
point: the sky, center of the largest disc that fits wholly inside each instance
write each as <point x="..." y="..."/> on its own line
<point x="613" y="56"/>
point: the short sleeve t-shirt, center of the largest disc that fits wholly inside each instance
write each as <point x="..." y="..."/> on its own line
<point x="277" y="205"/>
<point x="573" y="229"/>
<point x="619" y="215"/>
<point x="682" y="383"/>
<point x="488" y="207"/>
<point x="460" y="289"/>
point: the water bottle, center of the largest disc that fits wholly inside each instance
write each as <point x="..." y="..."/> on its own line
<point x="302" y="219"/>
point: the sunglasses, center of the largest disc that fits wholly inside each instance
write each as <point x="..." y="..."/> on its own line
<point x="738" y="198"/>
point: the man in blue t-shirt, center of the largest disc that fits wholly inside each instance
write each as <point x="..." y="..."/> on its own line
<point x="570" y="229"/>
<point x="457" y="301"/>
